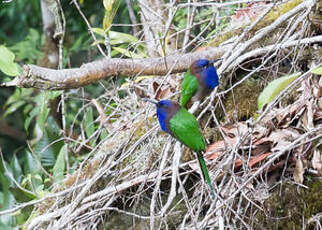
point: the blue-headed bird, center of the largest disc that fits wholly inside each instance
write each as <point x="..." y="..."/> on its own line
<point x="183" y="126"/>
<point x="199" y="81"/>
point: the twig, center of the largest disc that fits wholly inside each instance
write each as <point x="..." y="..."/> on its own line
<point x="270" y="48"/>
<point x="175" y="174"/>
<point x="219" y="5"/>
<point x="156" y="190"/>
<point x="264" y="32"/>
<point x="132" y="16"/>
<point x="89" y="28"/>
<point x="12" y="177"/>
<point x="276" y="156"/>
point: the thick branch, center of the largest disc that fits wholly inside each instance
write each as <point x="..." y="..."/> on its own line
<point x="44" y="78"/>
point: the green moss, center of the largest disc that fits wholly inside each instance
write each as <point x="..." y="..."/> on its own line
<point x="276" y="12"/>
<point x="289" y="206"/>
<point x="242" y="101"/>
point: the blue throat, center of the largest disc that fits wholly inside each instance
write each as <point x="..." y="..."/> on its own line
<point x="163" y="114"/>
<point x="211" y="79"/>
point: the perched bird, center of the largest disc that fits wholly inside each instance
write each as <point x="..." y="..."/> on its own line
<point x="183" y="126"/>
<point x="200" y="79"/>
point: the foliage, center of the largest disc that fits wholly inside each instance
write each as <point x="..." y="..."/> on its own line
<point x="50" y="146"/>
<point x="42" y="163"/>
<point x="7" y="64"/>
<point x="274" y="88"/>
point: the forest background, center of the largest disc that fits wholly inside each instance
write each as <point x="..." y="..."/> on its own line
<point x="80" y="149"/>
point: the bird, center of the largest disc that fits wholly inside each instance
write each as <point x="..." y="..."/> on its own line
<point x="183" y="126"/>
<point x="198" y="82"/>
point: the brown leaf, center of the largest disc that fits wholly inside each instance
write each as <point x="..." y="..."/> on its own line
<point x="245" y="15"/>
<point x="258" y="159"/>
<point x="155" y="86"/>
<point x="138" y="92"/>
<point x="215" y="150"/>
<point x="292" y="112"/>
<point x="231" y="136"/>
<point x="262" y="146"/>
<point x="299" y="171"/>
<point x="282" y="138"/>
<point x="318" y="114"/>
<point x="317" y="161"/>
<point x="309" y="116"/>
<point x="161" y="92"/>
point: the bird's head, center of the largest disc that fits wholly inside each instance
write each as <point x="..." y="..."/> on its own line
<point x="203" y="63"/>
<point x="205" y="71"/>
<point x="165" y="110"/>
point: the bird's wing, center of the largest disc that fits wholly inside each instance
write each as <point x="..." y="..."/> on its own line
<point x="189" y="87"/>
<point x="185" y="128"/>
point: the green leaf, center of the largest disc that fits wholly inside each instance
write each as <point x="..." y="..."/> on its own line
<point x="317" y="70"/>
<point x="98" y="41"/>
<point x="44" y="150"/>
<point x="8" y="202"/>
<point x="53" y="94"/>
<point x="111" y="7"/>
<point x="115" y="37"/>
<point x="103" y="134"/>
<point x="29" y="48"/>
<point x="19" y="95"/>
<point x="7" y="199"/>
<point x="7" y="64"/>
<point x="13" y="107"/>
<point x="44" y="111"/>
<point x="16" y="168"/>
<point x="99" y="31"/>
<point x="128" y="53"/>
<point x="5" y="180"/>
<point x="79" y="44"/>
<point x="31" y="165"/>
<point x="118" y="38"/>
<point x="274" y="88"/>
<point x="33" y="173"/>
<point x="59" y="167"/>
<point x="89" y="123"/>
<point x="33" y="113"/>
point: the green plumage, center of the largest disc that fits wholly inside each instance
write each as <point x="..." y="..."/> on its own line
<point x="189" y="87"/>
<point x="184" y="127"/>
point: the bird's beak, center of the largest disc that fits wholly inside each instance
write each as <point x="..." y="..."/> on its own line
<point x="214" y="61"/>
<point x="150" y="100"/>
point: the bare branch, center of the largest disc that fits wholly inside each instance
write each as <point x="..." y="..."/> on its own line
<point x="44" y="78"/>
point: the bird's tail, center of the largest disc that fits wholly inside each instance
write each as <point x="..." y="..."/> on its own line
<point x="205" y="173"/>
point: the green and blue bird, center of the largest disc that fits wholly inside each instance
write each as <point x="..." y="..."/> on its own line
<point x="183" y="126"/>
<point x="199" y="81"/>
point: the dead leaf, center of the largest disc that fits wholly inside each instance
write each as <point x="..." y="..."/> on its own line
<point x="291" y="113"/>
<point x="317" y="161"/>
<point x="161" y="92"/>
<point x="138" y="92"/>
<point x="283" y="137"/>
<point x="249" y="13"/>
<point x="215" y="150"/>
<point x="231" y="136"/>
<point x="299" y="171"/>
<point x="318" y="114"/>
<point x="258" y="159"/>
<point x="262" y="146"/>
<point x="308" y="121"/>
